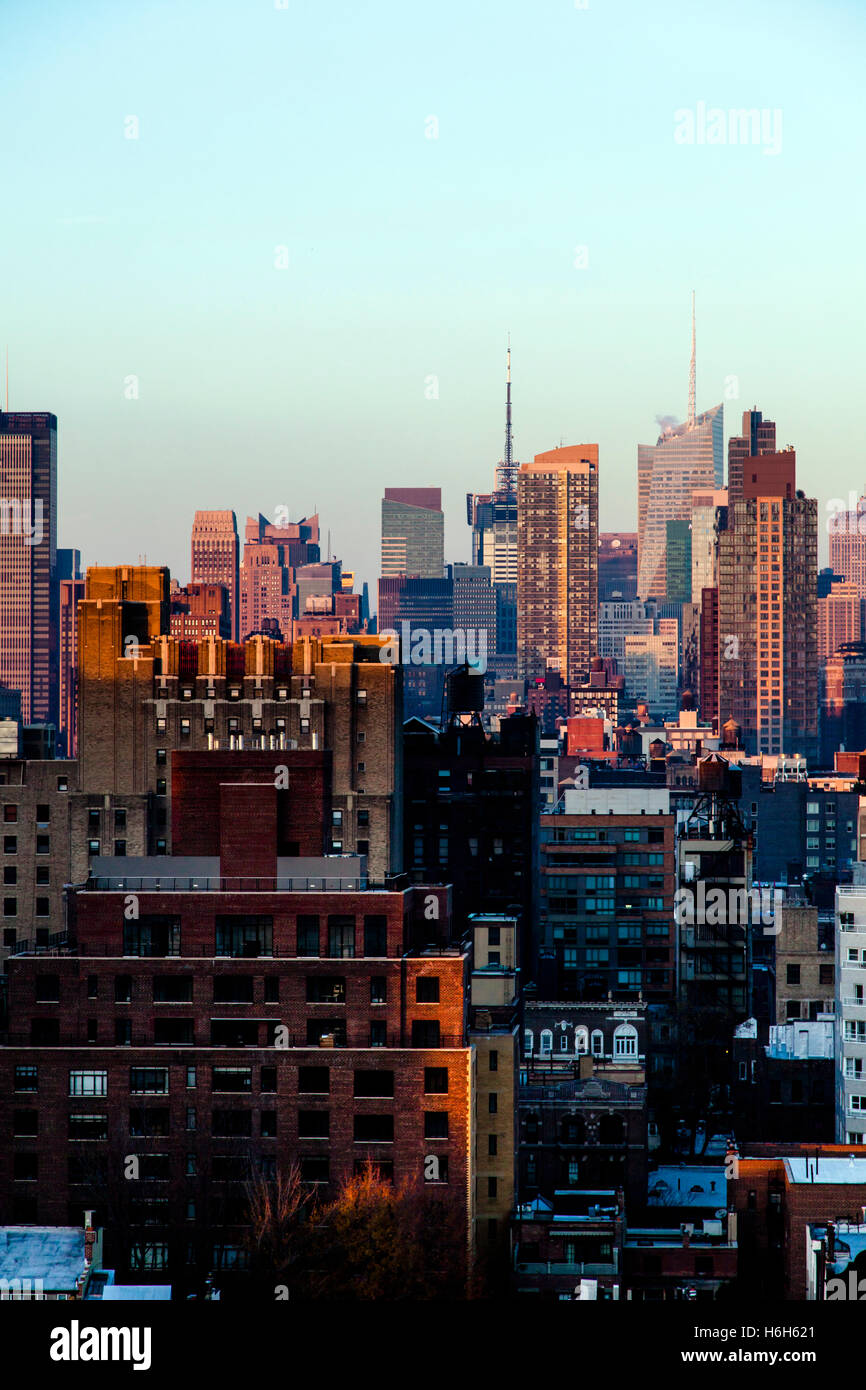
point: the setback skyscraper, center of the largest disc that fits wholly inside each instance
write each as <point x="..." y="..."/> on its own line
<point x="29" y="592"/>
<point x="216" y="557"/>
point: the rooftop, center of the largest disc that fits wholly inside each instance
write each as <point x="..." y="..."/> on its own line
<point x="54" y="1254"/>
<point x="833" y="1171"/>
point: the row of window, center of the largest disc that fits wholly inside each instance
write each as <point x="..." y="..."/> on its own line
<point x="313" y="1080"/>
<point x="181" y="1032"/>
<point x="625" y="1041"/>
<point x="315" y="1168"/>
<point x="251" y="936"/>
<point x="237" y="989"/>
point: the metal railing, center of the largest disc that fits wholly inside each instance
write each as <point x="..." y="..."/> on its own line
<point x="205" y="883"/>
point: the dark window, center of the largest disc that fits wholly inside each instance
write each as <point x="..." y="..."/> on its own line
<point x="378" y="1033"/>
<point x="245" y="935"/>
<point x="123" y="1032"/>
<point x="88" y="1127"/>
<point x="492" y="1145"/>
<point x="427" y="989"/>
<point x="25" y="1168"/>
<point x="378" y="989"/>
<point x="308" y="936"/>
<point x="436" y="1081"/>
<point x="313" y="1124"/>
<point x="25" y="1123"/>
<point x="43" y="907"/>
<point x="792" y="975"/>
<point x="268" y="1126"/>
<point x="172" y="989"/>
<point x="47" y="989"/>
<point x="826" y="974"/>
<point x="341" y="937"/>
<point x="233" y="989"/>
<point x="43" y="844"/>
<point x="326" y="989"/>
<point x="145" y="1121"/>
<point x="152" y="935"/>
<point x="173" y="1032"/>
<point x="231" y="1079"/>
<point x="44" y="1032"/>
<point x="318" y="1028"/>
<point x="25" y="1078"/>
<point x="315" y="1169"/>
<point x="374" y="1129"/>
<point x="374" y="1083"/>
<point x="10" y="876"/>
<point x="10" y="844"/>
<point x="272" y="989"/>
<point x="491" y="1187"/>
<point x="375" y="936"/>
<point x="494" y="1061"/>
<point x="234" y="1032"/>
<point x="269" y="1079"/>
<point x="493" y="1102"/>
<point x="314" y="1080"/>
<point x="226" y="1123"/>
<point x="10" y="907"/>
<point x="10" y="812"/>
<point x="122" y="989"/>
<point x="435" y="1124"/>
<point x="425" y="1032"/>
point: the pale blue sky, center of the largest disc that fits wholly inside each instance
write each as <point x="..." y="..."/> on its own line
<point x="411" y="257"/>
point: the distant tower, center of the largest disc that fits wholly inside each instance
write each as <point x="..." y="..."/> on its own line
<point x="506" y="471"/>
<point x="692" y="371"/>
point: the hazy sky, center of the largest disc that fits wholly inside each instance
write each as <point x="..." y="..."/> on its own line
<point x="408" y="258"/>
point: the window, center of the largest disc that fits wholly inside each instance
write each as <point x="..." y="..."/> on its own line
<point x="10" y="813"/>
<point x="172" y="989"/>
<point x="375" y="935"/>
<point x="315" y="1169"/>
<point x="244" y="936"/>
<point x="308" y="936"/>
<point x="425" y="1033"/>
<point x="229" y="1124"/>
<point x="313" y="1124"/>
<point x="436" y="1081"/>
<point x="152" y="935"/>
<point x="625" y="1041"/>
<point x="123" y="1032"/>
<point x="10" y="876"/>
<point x="378" y="1034"/>
<point x="374" y="1129"/>
<point x="231" y="1079"/>
<point x="25" y="1124"/>
<point x="25" y="1078"/>
<point x="88" y="1083"/>
<point x="272" y="989"/>
<point x="10" y="844"/>
<point x="597" y="1043"/>
<point x="232" y="989"/>
<point x="341" y="937"/>
<point x="88" y="1127"/>
<point x="314" y="1080"/>
<point x="173" y="1032"/>
<point x="374" y="1083"/>
<point x="122" y="989"/>
<point x="148" y="1080"/>
<point x="492" y="1145"/>
<point x="378" y="989"/>
<point x="326" y="989"/>
<point x="43" y="907"/>
<point x="792" y="975"/>
<point x="435" y="1124"/>
<point x="427" y="989"/>
<point x="493" y="1103"/>
<point x="25" y="1168"/>
<point x="10" y="907"/>
<point x="47" y="989"/>
<point x="269" y="1079"/>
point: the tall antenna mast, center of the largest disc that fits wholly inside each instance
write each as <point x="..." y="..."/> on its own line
<point x="7" y="378"/>
<point x="692" y="370"/>
<point x="506" y="473"/>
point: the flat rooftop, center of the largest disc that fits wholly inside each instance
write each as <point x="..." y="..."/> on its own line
<point x="54" y="1254"/>
<point x="827" y="1170"/>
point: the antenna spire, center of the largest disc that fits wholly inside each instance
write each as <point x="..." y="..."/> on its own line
<point x="506" y="473"/>
<point x="692" y="370"/>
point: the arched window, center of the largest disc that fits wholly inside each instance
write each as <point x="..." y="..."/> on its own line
<point x="581" y="1038"/>
<point x="597" y="1042"/>
<point x="528" y="1039"/>
<point x="625" y="1040"/>
<point x="546" y="1042"/>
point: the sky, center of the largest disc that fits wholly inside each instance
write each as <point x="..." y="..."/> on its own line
<point x="266" y="253"/>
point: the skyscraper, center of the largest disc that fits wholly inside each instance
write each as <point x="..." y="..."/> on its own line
<point x="839" y="618"/>
<point x="557" y="563"/>
<point x="216" y="557"/>
<point x="709" y="517"/>
<point x="413" y="532"/>
<point x="685" y="457"/>
<point x="848" y="545"/>
<point x="493" y="518"/>
<point x="272" y="555"/>
<point x="678" y="561"/>
<point x="29" y="593"/>
<point x="758" y="437"/>
<point x="768" y="666"/>
<point x="71" y="591"/>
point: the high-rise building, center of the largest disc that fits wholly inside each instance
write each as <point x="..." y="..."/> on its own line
<point x="413" y="532"/>
<point x="199" y="611"/>
<point x="29" y="592"/>
<point x="709" y="517"/>
<point x="215" y="557"/>
<point x="272" y="555"/>
<point x="678" y="561"/>
<point x="839" y="618"/>
<point x="768" y="639"/>
<point x="686" y="458"/>
<point x="71" y="591"/>
<point x="758" y="437"/>
<point x="848" y="546"/>
<point x="851" y="1011"/>
<point x="651" y="667"/>
<point x="617" y="566"/>
<point x="557" y="563"/>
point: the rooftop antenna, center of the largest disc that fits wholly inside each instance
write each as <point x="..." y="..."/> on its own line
<point x="7" y="378"/>
<point x="692" y="371"/>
